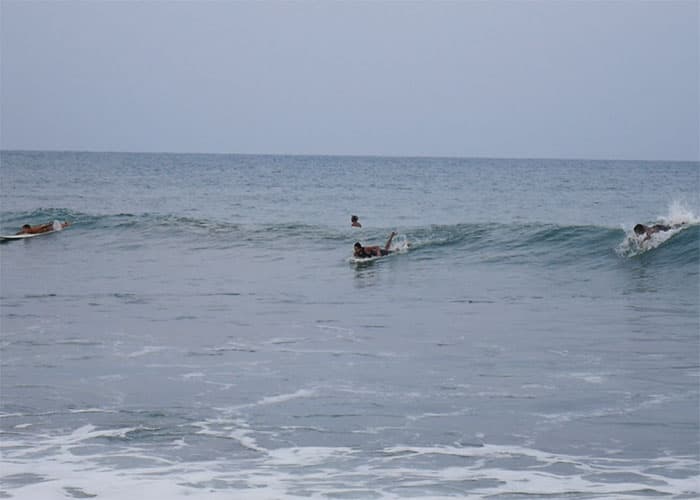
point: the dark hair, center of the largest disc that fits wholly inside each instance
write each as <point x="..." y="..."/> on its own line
<point x="640" y="229"/>
<point x="358" y="244"/>
<point x="353" y="218"/>
<point x="26" y="226"/>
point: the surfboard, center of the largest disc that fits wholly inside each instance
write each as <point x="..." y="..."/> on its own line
<point x="364" y="260"/>
<point x="11" y="237"/>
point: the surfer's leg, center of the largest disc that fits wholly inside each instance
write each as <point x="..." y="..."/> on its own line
<point x="388" y="242"/>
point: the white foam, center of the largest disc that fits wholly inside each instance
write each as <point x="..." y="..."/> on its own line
<point x="89" y="431"/>
<point x="400" y="244"/>
<point x="92" y="410"/>
<point x="591" y="378"/>
<point x="243" y="436"/>
<point x="322" y="472"/>
<point x="678" y="213"/>
<point x="301" y="393"/>
<point x="306" y="456"/>
<point x="236" y="429"/>
<point x="457" y="413"/>
<point x="285" y="340"/>
<point x="146" y="350"/>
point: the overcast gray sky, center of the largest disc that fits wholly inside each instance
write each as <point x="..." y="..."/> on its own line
<point x="564" y="79"/>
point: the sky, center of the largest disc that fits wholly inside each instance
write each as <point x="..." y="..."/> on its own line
<point x="500" y="79"/>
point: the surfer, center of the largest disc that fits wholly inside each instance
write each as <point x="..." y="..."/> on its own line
<point x="373" y="251"/>
<point x="43" y="228"/>
<point x="354" y="221"/>
<point x="641" y="229"/>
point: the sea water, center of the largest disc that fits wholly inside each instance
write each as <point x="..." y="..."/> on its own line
<point x="201" y="330"/>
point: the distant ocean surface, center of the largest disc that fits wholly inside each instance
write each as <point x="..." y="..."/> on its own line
<point x="202" y="331"/>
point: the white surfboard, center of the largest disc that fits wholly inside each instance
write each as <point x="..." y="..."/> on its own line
<point x="363" y="260"/>
<point x="10" y="237"/>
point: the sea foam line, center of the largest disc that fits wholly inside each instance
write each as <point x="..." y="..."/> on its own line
<point x="393" y="472"/>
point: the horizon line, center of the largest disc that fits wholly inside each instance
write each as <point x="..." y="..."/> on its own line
<point x="347" y="155"/>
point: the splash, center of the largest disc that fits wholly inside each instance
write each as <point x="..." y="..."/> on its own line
<point x="400" y="243"/>
<point x="679" y="218"/>
<point x="678" y="213"/>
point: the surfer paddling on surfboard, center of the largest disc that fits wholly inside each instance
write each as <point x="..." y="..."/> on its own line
<point x="642" y="230"/>
<point x="43" y="228"/>
<point x="373" y="251"/>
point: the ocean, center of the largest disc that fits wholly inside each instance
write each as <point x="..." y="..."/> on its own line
<point x="202" y="329"/>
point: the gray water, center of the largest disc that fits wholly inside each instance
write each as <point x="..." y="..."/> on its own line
<point x="201" y="329"/>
